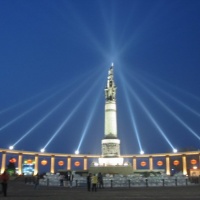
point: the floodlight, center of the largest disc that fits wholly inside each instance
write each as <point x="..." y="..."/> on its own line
<point x="175" y="150"/>
<point x="42" y="150"/>
<point x="77" y="152"/>
<point x="141" y="152"/>
<point x="11" y="147"/>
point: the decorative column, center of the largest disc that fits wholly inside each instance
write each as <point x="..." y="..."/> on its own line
<point x="134" y="163"/>
<point x="20" y="163"/>
<point x="52" y="170"/>
<point x="168" y="171"/>
<point x="85" y="162"/>
<point x="199" y="160"/>
<point x="69" y="163"/>
<point x="184" y="164"/>
<point x="3" y="162"/>
<point x="36" y="164"/>
<point x="150" y="163"/>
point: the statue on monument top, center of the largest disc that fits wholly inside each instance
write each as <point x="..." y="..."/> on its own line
<point x="110" y="90"/>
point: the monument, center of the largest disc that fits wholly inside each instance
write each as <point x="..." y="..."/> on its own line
<point x="110" y="160"/>
<point x="110" y="143"/>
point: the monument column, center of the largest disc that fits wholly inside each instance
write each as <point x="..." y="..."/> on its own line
<point x="199" y="159"/>
<point x="69" y="163"/>
<point x="52" y="164"/>
<point x="150" y="163"/>
<point x="168" y="171"/>
<point x="3" y="162"/>
<point x="184" y="164"/>
<point x="85" y="162"/>
<point x="36" y="164"/>
<point x="110" y="144"/>
<point x="20" y="163"/>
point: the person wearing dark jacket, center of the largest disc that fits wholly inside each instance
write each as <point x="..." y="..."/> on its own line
<point x="4" y="181"/>
<point x="89" y="181"/>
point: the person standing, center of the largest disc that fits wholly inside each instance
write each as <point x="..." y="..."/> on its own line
<point x="4" y="181"/>
<point x="100" y="180"/>
<point x="71" y="177"/>
<point x="94" y="183"/>
<point x="89" y="182"/>
<point x="37" y="180"/>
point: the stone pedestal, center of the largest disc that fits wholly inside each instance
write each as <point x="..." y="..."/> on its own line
<point x="110" y="147"/>
<point x="124" y="170"/>
<point x="111" y="161"/>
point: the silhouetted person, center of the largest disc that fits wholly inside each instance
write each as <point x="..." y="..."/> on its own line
<point x="71" y="177"/>
<point x="4" y="182"/>
<point x="100" y="180"/>
<point x="89" y="181"/>
<point x="37" y="179"/>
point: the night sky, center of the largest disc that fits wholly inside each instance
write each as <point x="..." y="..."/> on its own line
<point x="54" y="60"/>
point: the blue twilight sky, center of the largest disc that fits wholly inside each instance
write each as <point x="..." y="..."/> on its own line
<point x="54" y="59"/>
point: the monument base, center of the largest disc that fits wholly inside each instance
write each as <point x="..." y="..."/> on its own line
<point x="124" y="170"/>
<point x="113" y="161"/>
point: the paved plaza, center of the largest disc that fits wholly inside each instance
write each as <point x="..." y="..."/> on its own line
<point x="18" y="190"/>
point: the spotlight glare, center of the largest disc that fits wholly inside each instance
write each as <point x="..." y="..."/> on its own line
<point x="141" y="152"/>
<point x="42" y="150"/>
<point x="77" y="152"/>
<point x="11" y="147"/>
<point x="175" y="150"/>
<point x="126" y="164"/>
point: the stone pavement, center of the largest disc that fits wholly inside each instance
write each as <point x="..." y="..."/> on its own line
<point x="20" y="191"/>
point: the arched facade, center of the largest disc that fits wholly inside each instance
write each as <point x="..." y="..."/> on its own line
<point x="185" y="160"/>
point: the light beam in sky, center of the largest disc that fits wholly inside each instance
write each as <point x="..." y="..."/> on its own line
<point x="92" y="112"/>
<point x="50" y="113"/>
<point x="131" y="113"/>
<point x="172" y="113"/>
<point x="150" y="116"/>
<point x="170" y="85"/>
<point x="172" y="97"/>
<point x="40" y="103"/>
<point x="24" y="101"/>
<point x="72" y="112"/>
<point x="26" y="112"/>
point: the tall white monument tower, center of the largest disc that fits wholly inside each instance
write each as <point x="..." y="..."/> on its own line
<point x="110" y="143"/>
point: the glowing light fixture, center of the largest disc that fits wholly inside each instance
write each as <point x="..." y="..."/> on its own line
<point x="143" y="163"/>
<point x="193" y="162"/>
<point x="77" y="152"/>
<point x="141" y="152"/>
<point x="44" y="162"/>
<point x="61" y="163"/>
<point x="160" y="163"/>
<point x="11" y="147"/>
<point x="42" y="150"/>
<point x="175" y="150"/>
<point x="77" y="164"/>
<point x="126" y="164"/>
<point x="176" y="162"/>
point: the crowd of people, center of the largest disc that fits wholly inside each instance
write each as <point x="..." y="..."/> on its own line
<point x="94" y="181"/>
